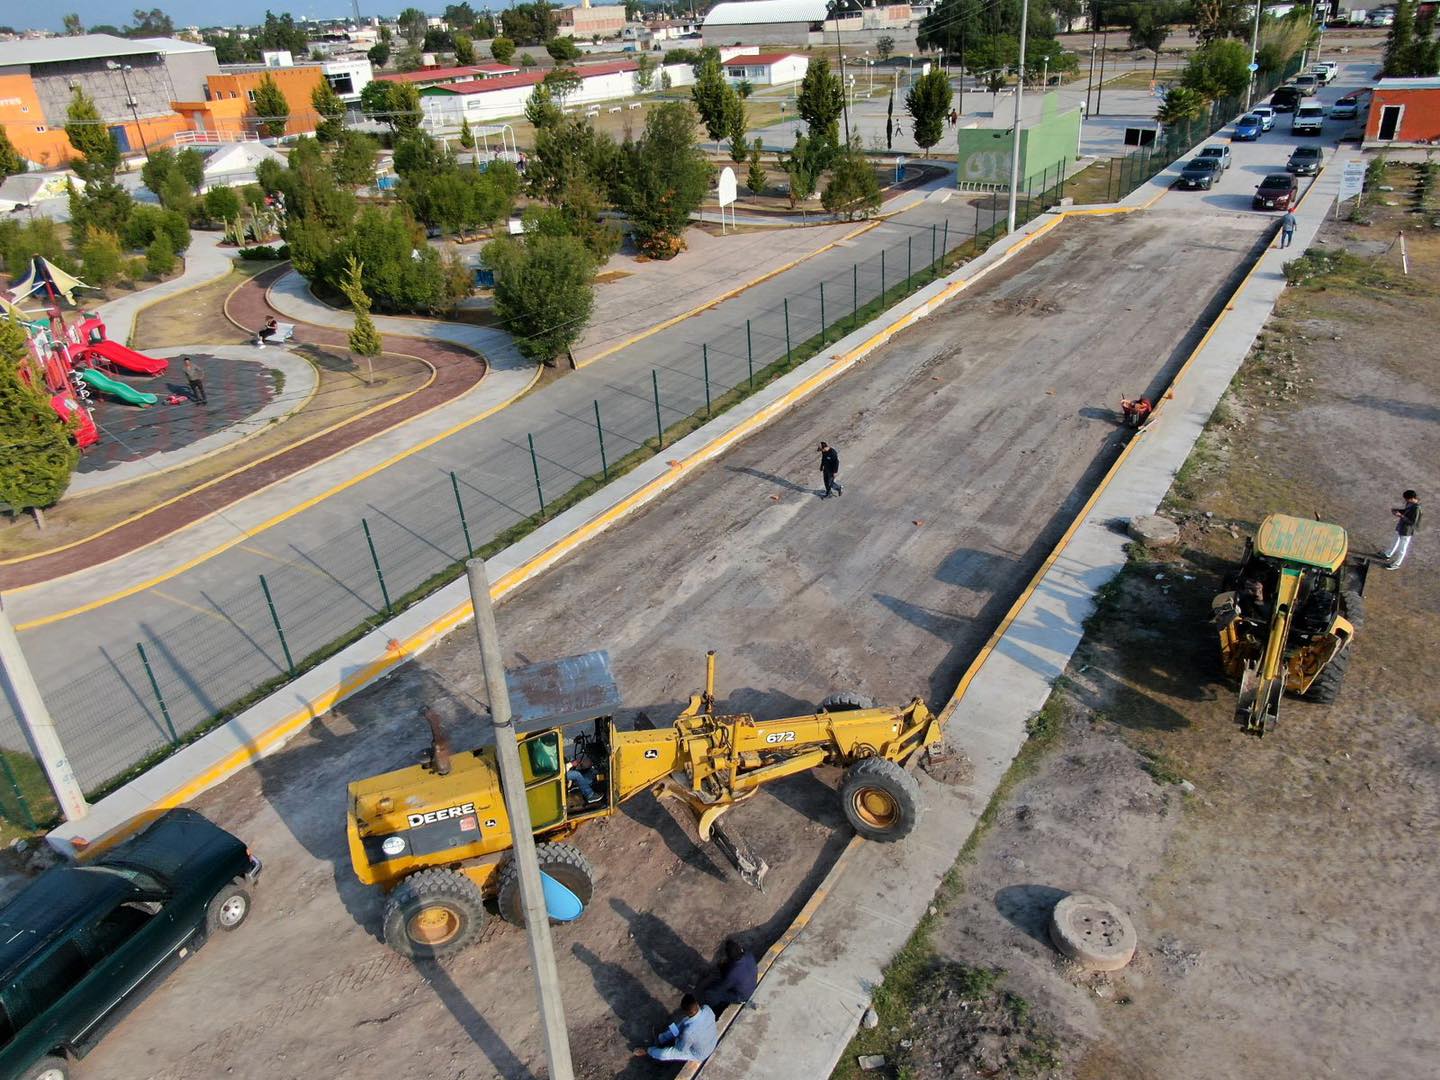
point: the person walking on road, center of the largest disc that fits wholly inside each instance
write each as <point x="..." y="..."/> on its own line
<point x="196" y="378"/>
<point x="691" y="1038"/>
<point x="1407" y="520"/>
<point x="1287" y="228"/>
<point x="830" y="469"/>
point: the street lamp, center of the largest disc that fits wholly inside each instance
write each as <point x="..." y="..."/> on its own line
<point x="130" y="101"/>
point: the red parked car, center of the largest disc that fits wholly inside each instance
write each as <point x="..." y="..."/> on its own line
<point x="1277" y="191"/>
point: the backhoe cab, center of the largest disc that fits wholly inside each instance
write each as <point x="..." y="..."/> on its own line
<point x="1288" y="616"/>
<point x="437" y="835"/>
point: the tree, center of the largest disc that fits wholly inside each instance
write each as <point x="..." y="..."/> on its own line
<point x="1218" y="70"/>
<point x="462" y="17"/>
<point x="437" y="40"/>
<point x="271" y="108"/>
<point x="464" y="50"/>
<point x="467" y="141"/>
<point x="412" y="23"/>
<point x="712" y="95"/>
<point x="544" y="292"/>
<point x="330" y="110"/>
<point x="379" y="54"/>
<point x="1400" y="42"/>
<point x="541" y="109"/>
<point x="569" y="151"/>
<point x="928" y="103"/>
<point x="1180" y="106"/>
<point x="73" y="26"/>
<point x="39" y="454"/>
<point x="190" y="163"/>
<point x="222" y="204"/>
<point x="353" y="161"/>
<point x="664" y="179"/>
<point x="502" y="49"/>
<point x="562" y="50"/>
<point x="417" y="154"/>
<point x="159" y="257"/>
<point x="745" y="88"/>
<point x="755" y="178"/>
<point x="280" y="34"/>
<point x="1215" y="20"/>
<point x="364" y="338"/>
<point x="398" y="104"/>
<point x="527" y="61"/>
<point x="854" y="189"/>
<point x="579" y="214"/>
<point x="10" y="160"/>
<point x="736" y="121"/>
<point x="409" y="59"/>
<point x="1149" y="31"/>
<point x="562" y="82"/>
<point x="89" y="135"/>
<point x="100" y="256"/>
<point x="529" y="24"/>
<point x="821" y="100"/>
<point x="644" y="72"/>
<point x="805" y="163"/>
<point x="885" y="46"/>
<point x="152" y="23"/>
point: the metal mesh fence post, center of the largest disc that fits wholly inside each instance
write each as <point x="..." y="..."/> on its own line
<point x="659" y="427"/>
<point x="788" y="360"/>
<point x="932" y="251"/>
<point x="280" y="630"/>
<point x="944" y="243"/>
<point x="823" y="324"/>
<point x="464" y="525"/>
<point x="1110" y="183"/>
<point x="854" y="296"/>
<point x="155" y="688"/>
<point x="705" y="370"/>
<point x="882" y="277"/>
<point x="749" y="356"/>
<point x="600" y="433"/>
<point x="535" y="465"/>
<point x="375" y="558"/>
<point x="909" y="259"/>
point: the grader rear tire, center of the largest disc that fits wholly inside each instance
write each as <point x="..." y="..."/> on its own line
<point x="563" y="863"/>
<point x="881" y="800"/>
<point x="434" y="913"/>
<point x="847" y="701"/>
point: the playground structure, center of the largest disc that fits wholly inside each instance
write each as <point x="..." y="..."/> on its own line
<point x="66" y="358"/>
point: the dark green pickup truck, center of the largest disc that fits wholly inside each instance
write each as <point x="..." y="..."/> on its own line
<point x="82" y="942"/>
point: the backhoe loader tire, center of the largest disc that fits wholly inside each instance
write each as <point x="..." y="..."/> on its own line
<point x="881" y="799"/>
<point x="1326" y="687"/>
<point x="1352" y="606"/>
<point x="563" y="863"/>
<point x="434" y="913"/>
<point x="847" y="702"/>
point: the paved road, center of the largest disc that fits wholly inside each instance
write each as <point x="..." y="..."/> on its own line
<point x="208" y="632"/>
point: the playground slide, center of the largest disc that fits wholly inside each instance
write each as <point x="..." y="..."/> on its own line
<point x="106" y="385"/>
<point x="127" y="359"/>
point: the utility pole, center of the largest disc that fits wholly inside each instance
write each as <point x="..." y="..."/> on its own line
<point x="1100" y="82"/>
<point x="1254" y="50"/>
<point x="1094" y="35"/>
<point x="512" y="783"/>
<point x="1019" y="94"/>
<point x="844" y="87"/>
<point x="39" y="727"/>
<point x="130" y="101"/>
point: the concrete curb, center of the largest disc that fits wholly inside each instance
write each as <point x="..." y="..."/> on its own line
<point x="267" y="726"/>
<point x="828" y="967"/>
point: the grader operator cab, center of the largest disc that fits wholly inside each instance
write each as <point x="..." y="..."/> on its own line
<point x="437" y="836"/>
<point x="1288" y="616"/>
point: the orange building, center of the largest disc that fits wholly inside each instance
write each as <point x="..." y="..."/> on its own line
<point x="239" y="85"/>
<point x="24" y="121"/>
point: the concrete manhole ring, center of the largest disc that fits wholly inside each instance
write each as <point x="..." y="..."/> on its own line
<point x="1093" y="932"/>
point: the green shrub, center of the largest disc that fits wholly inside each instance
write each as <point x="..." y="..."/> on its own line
<point x="100" y="257"/>
<point x="160" y="256"/>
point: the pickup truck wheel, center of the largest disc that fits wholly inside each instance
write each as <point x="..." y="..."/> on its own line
<point x="229" y="908"/>
<point x="881" y="800"/>
<point x="434" y="913"/>
<point x="560" y="861"/>
<point x="50" y="1068"/>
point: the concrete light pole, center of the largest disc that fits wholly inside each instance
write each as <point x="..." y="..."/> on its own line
<point x="1019" y="94"/>
<point x="130" y="101"/>
<point x="39" y="727"/>
<point x="1254" y="50"/>
<point x="512" y="782"/>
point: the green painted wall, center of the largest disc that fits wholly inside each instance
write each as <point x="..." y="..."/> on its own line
<point x="983" y="154"/>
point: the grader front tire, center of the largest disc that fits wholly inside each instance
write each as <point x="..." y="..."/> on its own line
<point x="434" y="913"/>
<point x="881" y="800"/>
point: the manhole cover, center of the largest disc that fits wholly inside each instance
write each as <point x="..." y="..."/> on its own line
<point x="1093" y="932"/>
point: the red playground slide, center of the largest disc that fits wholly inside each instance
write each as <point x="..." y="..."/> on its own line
<point x="71" y="411"/>
<point x="127" y="359"/>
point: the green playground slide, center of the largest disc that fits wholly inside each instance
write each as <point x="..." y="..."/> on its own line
<point x="106" y="385"/>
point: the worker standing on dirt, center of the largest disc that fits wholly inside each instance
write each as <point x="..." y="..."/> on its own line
<point x="830" y="469"/>
<point x="734" y="982"/>
<point x="691" y="1038"/>
<point x="196" y="378"/>
<point x="1407" y="520"/>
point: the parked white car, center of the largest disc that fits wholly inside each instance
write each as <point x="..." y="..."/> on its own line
<point x="1266" y="115"/>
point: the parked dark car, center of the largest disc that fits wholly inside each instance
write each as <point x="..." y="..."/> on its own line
<point x="1200" y="172"/>
<point x="1220" y="154"/>
<point x="1305" y="161"/>
<point x="82" y="943"/>
<point x="1277" y="191"/>
<point x="1286" y="99"/>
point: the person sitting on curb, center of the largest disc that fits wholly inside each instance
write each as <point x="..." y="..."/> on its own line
<point x="735" y="979"/>
<point x="691" y="1038"/>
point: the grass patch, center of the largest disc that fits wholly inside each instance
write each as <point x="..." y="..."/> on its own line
<point x="1160" y="768"/>
<point x="25" y="800"/>
<point x="1091" y="184"/>
<point x="1322" y="269"/>
<point x="1141" y="80"/>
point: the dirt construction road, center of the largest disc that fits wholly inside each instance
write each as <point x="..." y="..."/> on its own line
<point x="966" y="445"/>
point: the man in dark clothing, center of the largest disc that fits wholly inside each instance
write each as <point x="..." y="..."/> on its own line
<point x="735" y="980"/>
<point x="829" y="469"/>
<point x="196" y="378"/>
<point x="1407" y="520"/>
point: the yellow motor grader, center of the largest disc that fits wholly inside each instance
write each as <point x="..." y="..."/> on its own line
<point x="1288" y="616"/>
<point x="436" y="835"/>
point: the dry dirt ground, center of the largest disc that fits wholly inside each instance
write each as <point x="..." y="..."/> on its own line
<point x="1287" y="905"/>
<point x="966" y="445"/>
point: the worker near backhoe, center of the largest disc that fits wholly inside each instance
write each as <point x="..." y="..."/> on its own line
<point x="830" y="469"/>
<point x="1135" y="411"/>
<point x="580" y="771"/>
<point x="691" y="1038"/>
<point x="1407" y="520"/>
<point x="735" y="979"/>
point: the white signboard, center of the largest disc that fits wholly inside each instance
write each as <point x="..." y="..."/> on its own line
<point x="727" y="194"/>
<point x="1352" y="180"/>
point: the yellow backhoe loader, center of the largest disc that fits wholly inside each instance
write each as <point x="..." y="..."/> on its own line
<point x="1288" y="616"/>
<point x="436" y="835"/>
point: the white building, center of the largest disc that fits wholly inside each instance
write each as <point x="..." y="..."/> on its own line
<point x="765" y="22"/>
<point x="348" y="77"/>
<point x="766" y="69"/>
